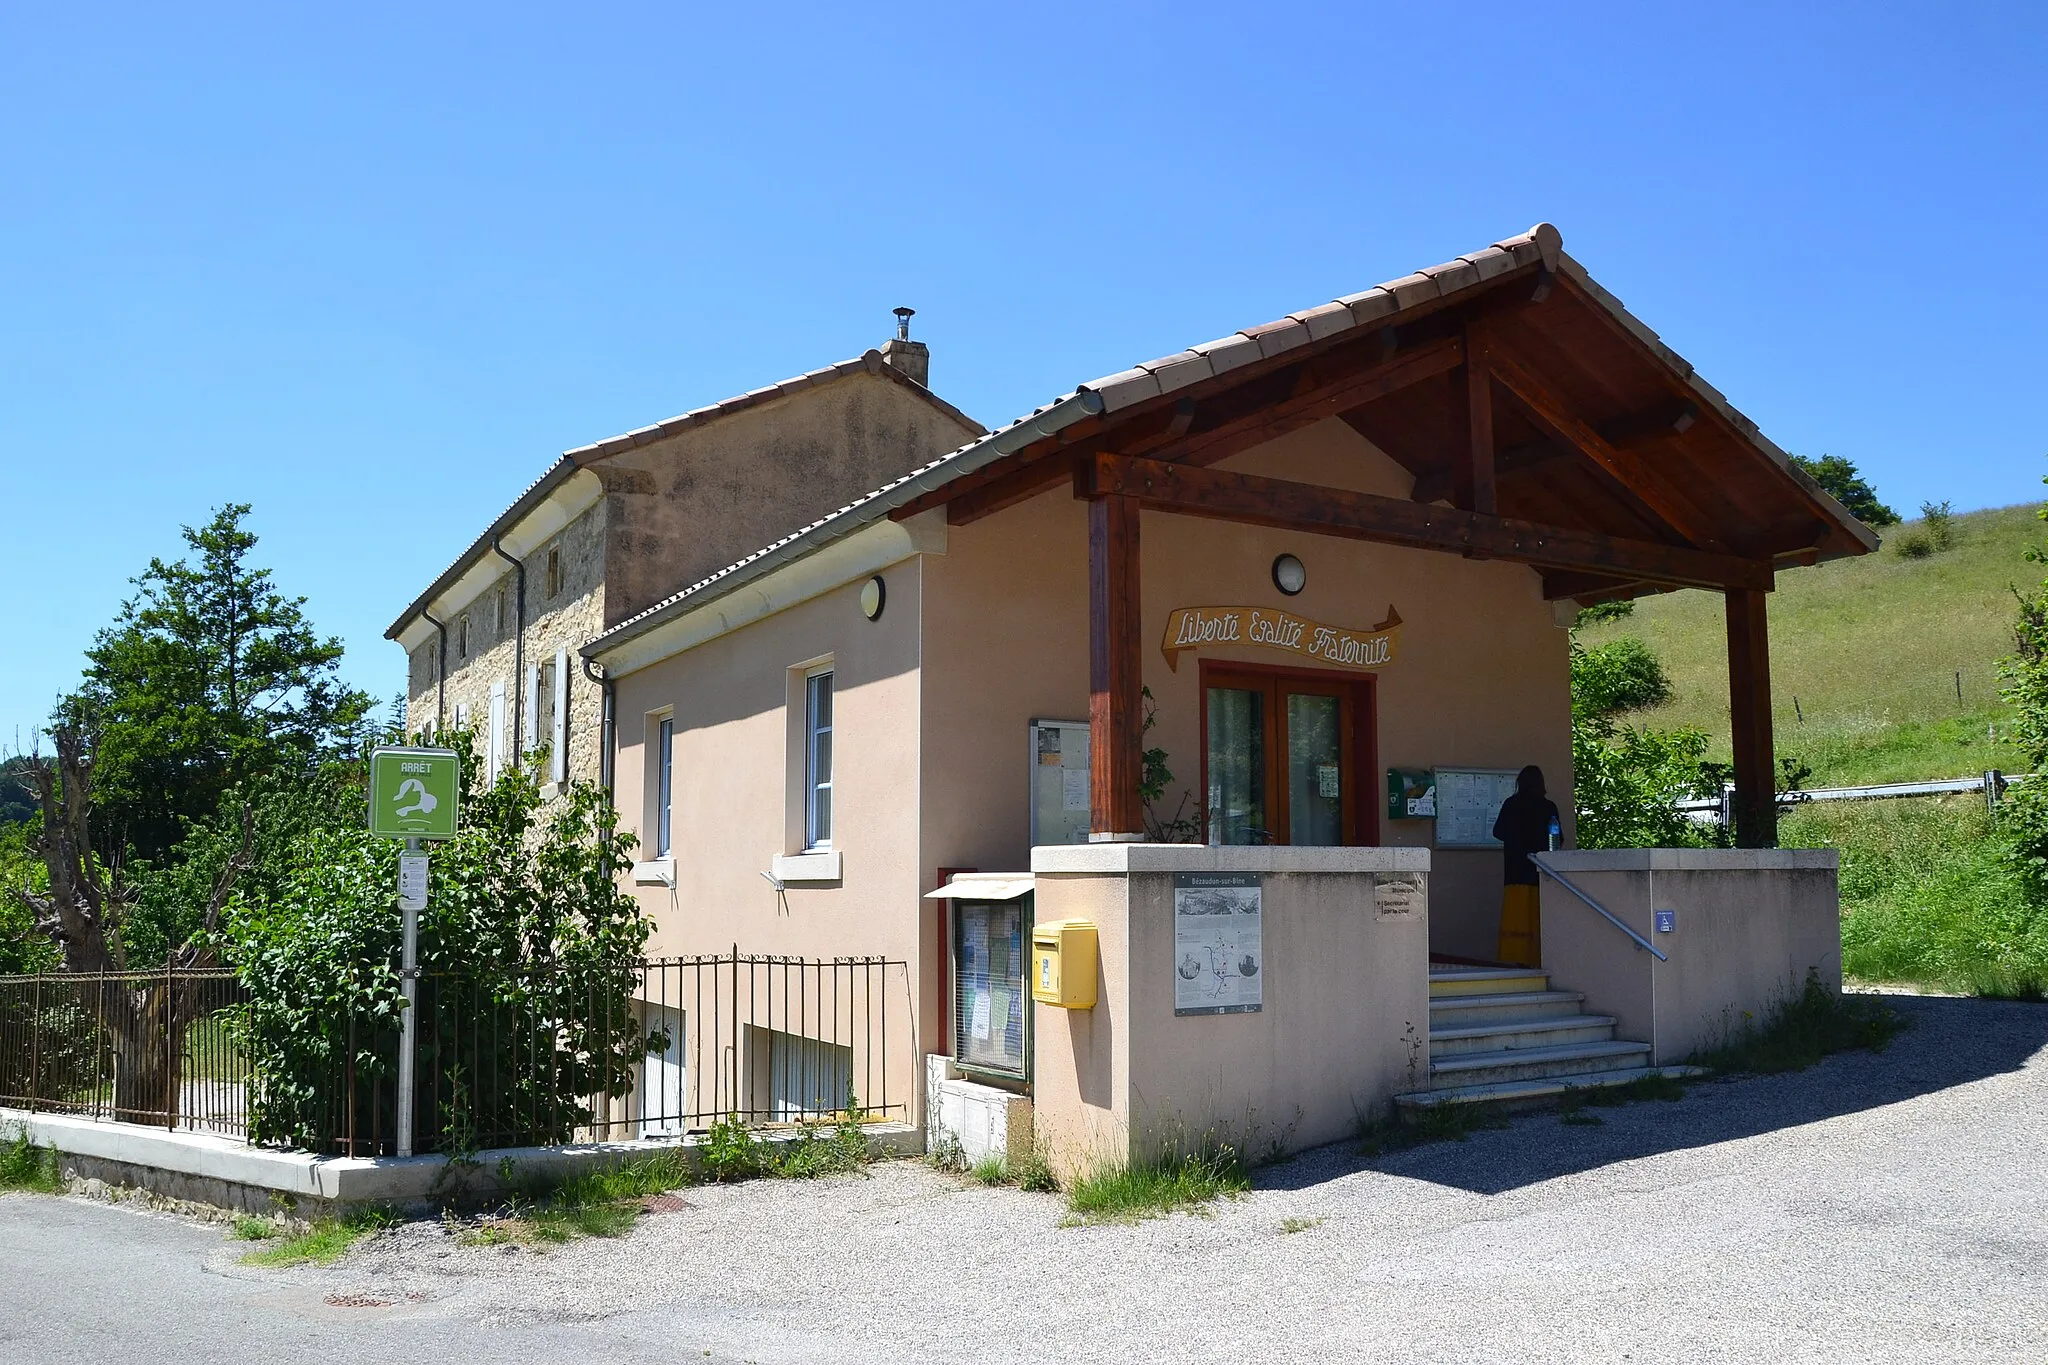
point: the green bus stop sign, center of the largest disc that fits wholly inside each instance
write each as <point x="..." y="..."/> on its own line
<point x="414" y="792"/>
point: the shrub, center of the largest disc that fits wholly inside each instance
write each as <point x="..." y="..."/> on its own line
<point x="1914" y="545"/>
<point x="1604" y="611"/>
<point x="528" y="952"/>
<point x="1938" y="519"/>
<point x="1627" y="781"/>
<point x="1622" y="675"/>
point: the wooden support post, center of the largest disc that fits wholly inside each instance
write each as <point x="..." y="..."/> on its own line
<point x="1749" y="717"/>
<point x="1115" y="711"/>
<point x="1472" y="477"/>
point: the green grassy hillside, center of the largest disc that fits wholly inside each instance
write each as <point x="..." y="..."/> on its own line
<point x="1867" y="655"/>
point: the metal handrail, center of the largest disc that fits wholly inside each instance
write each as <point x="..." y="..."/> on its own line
<point x="1598" y="908"/>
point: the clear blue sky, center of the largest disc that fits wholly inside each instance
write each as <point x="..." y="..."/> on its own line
<point x="371" y="268"/>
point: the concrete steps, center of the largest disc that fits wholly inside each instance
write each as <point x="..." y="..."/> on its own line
<point x="1502" y="1036"/>
<point x="1459" y="1011"/>
<point x="1520" y="1035"/>
<point x="1551" y="1088"/>
<point x="1452" y="981"/>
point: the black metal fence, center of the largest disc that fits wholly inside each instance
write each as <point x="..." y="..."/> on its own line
<point x="540" y="1054"/>
<point x="136" y="1047"/>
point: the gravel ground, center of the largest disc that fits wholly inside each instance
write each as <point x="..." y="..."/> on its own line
<point x="1876" y="1207"/>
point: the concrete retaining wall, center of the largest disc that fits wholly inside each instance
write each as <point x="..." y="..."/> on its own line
<point x="228" y="1173"/>
<point x="1749" y="926"/>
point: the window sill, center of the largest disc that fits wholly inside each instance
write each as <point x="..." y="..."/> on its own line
<point x="655" y="872"/>
<point x="823" y="866"/>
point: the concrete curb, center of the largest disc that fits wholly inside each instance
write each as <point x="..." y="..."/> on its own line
<point x="227" y="1172"/>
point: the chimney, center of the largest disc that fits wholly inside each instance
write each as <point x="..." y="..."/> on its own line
<point x="912" y="358"/>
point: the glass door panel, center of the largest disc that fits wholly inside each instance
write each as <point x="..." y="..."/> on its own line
<point x="1315" y="769"/>
<point x="1237" y="766"/>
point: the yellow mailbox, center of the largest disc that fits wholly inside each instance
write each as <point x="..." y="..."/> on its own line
<point x="1063" y="963"/>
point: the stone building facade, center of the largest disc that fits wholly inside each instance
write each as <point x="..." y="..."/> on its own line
<point x="614" y="527"/>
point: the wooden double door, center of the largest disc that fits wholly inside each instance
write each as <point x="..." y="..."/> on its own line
<point x="1288" y="756"/>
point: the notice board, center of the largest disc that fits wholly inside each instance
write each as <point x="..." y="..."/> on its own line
<point x="1059" y="782"/>
<point x="1467" y="800"/>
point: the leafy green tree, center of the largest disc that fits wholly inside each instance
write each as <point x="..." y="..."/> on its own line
<point x="1627" y="781"/>
<point x="1840" y="480"/>
<point x="528" y="951"/>
<point x="1622" y="675"/>
<point x="22" y="948"/>
<point x="209" y="678"/>
<point x="1604" y="611"/>
<point x="17" y="793"/>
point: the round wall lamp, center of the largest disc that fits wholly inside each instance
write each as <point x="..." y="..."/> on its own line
<point x="1288" y="575"/>
<point x="874" y="595"/>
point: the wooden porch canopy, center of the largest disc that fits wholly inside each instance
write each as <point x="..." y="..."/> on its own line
<point x="1542" y="423"/>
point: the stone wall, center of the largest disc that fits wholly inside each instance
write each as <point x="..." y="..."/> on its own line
<point x="481" y="650"/>
<point x="688" y="506"/>
<point x="673" y="511"/>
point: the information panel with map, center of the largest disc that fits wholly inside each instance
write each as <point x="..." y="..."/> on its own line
<point x="1467" y="800"/>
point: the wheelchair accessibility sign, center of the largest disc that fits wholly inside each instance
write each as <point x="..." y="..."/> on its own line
<point x="414" y="792"/>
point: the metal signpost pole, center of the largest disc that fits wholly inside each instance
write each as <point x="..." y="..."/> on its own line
<point x="408" y="1023"/>
<point x="415" y="794"/>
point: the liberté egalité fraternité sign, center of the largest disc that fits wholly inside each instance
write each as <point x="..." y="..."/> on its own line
<point x="1268" y="628"/>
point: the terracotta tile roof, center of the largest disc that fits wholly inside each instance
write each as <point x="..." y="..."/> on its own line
<point x="1109" y="394"/>
<point x="1541" y="245"/>
<point x="1372" y="306"/>
<point x="868" y="362"/>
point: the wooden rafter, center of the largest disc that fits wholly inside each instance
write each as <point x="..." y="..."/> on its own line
<point x="1554" y="413"/>
<point x="1367" y="516"/>
<point x="1313" y="402"/>
<point x="1187" y="432"/>
<point x="1472" y="470"/>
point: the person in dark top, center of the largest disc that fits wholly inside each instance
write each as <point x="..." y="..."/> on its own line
<point x="1527" y="823"/>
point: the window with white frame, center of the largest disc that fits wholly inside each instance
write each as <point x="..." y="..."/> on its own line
<point x="818" y="760"/>
<point x="664" y="786"/>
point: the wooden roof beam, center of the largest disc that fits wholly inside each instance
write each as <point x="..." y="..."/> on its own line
<point x="1316" y="510"/>
<point x="1552" y="412"/>
<point x="1313" y="401"/>
<point x="1473" y="470"/>
<point x="1312" y="396"/>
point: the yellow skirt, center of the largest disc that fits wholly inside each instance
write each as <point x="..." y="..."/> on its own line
<point x="1521" y="927"/>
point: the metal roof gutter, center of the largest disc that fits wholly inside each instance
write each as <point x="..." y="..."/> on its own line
<point x="1050" y="420"/>
<point x="536" y="493"/>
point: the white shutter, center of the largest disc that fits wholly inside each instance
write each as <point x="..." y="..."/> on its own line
<point x="529" y="722"/>
<point x="559" y="763"/>
<point x="494" y="752"/>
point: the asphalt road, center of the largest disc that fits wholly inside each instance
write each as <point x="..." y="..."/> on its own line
<point x="1876" y="1208"/>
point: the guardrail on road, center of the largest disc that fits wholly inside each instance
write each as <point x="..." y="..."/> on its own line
<point x="1992" y="783"/>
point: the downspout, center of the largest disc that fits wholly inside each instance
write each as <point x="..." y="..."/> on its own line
<point x="440" y="674"/>
<point x="518" y="645"/>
